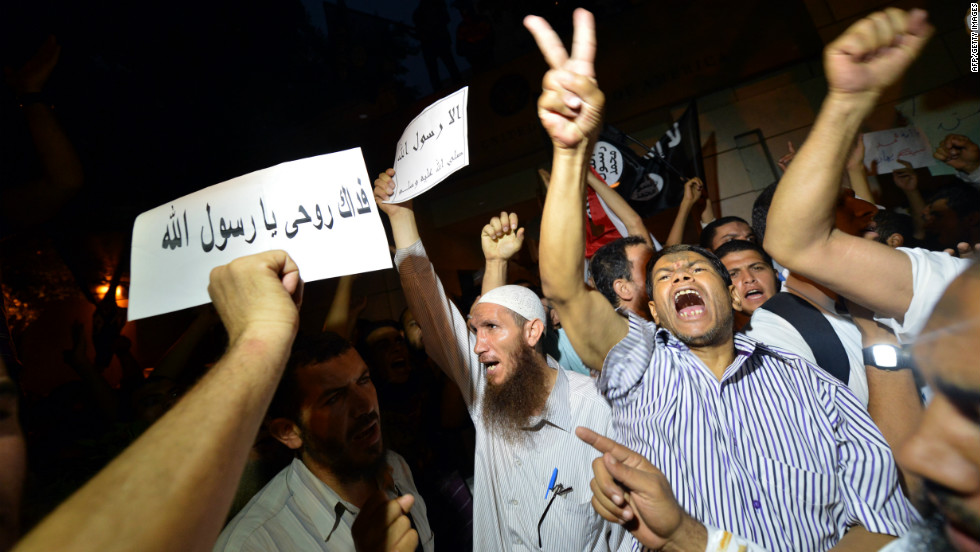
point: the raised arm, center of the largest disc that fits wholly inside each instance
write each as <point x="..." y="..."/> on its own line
<point x="907" y="181"/>
<point x="692" y="193"/>
<point x="501" y="239"/>
<point x="619" y="206"/>
<point x="856" y="173"/>
<point x="870" y="55"/>
<point x="435" y="312"/>
<point x="63" y="174"/>
<point x="570" y="109"/>
<point x="183" y="471"/>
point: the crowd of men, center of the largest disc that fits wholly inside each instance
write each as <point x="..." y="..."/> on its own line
<point x="696" y="397"/>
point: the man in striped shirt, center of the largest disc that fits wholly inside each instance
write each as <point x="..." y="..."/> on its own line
<point x="531" y="473"/>
<point x="758" y="442"/>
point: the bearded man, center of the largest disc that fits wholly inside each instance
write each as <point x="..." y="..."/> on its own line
<point x="326" y="410"/>
<point x="531" y="473"/>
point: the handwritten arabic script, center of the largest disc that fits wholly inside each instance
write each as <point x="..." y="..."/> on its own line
<point x="318" y="209"/>
<point x="886" y="147"/>
<point x="433" y="146"/>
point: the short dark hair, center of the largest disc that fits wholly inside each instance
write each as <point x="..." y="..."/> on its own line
<point x="610" y="263"/>
<point x="709" y="231"/>
<point x="760" y="211"/>
<point x="963" y="199"/>
<point x="889" y="222"/>
<point x="307" y="349"/>
<point x="680" y="248"/>
<point x="735" y="246"/>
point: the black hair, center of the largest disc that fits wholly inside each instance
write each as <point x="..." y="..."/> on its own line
<point x="680" y="248"/>
<point x="963" y="199"/>
<point x="307" y="349"/>
<point x="709" y="231"/>
<point x="760" y="210"/>
<point x="889" y="222"/>
<point x="610" y="263"/>
<point x="735" y="246"/>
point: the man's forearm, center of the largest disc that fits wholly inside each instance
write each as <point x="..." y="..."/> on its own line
<point x="802" y="211"/>
<point x="619" y="206"/>
<point x="182" y="472"/>
<point x="494" y="275"/>
<point x="563" y="227"/>
<point x="860" y="539"/>
<point x="404" y="229"/>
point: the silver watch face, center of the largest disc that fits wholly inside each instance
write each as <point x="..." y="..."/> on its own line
<point x="886" y="356"/>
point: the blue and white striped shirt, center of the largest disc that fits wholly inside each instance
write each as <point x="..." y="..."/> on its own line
<point x="777" y="451"/>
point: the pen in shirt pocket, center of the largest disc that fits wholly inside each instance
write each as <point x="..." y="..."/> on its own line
<point x="551" y="484"/>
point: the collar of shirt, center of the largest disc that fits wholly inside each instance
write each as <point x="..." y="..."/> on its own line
<point x="557" y="410"/>
<point x="745" y="347"/>
<point x="323" y="519"/>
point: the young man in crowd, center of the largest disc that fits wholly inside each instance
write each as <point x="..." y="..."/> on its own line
<point x="326" y="411"/>
<point x="618" y="270"/>
<point x="531" y="473"/>
<point x="724" y="230"/>
<point x="675" y="386"/>
<point x="942" y="451"/>
<point x="752" y="274"/>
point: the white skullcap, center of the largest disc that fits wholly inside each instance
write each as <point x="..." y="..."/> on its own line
<point x="518" y="299"/>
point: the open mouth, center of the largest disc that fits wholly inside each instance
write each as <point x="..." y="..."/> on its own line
<point x="399" y="364"/>
<point x="688" y="303"/>
<point x="369" y="433"/>
<point x="754" y="295"/>
<point x="490" y="366"/>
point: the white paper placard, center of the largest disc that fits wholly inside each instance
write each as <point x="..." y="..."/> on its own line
<point x="320" y="210"/>
<point x="940" y="113"/>
<point x="888" y="146"/>
<point x="434" y="145"/>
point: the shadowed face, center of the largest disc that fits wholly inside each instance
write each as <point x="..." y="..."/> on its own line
<point x="735" y="230"/>
<point x="855" y="216"/>
<point x="945" y="450"/>
<point x="339" y="422"/>
<point x="638" y="257"/>
<point x="691" y="300"/>
<point x="389" y="349"/>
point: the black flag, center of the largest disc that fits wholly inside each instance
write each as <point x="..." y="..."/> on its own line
<point x="652" y="180"/>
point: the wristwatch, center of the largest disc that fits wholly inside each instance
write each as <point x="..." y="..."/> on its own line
<point x="886" y="357"/>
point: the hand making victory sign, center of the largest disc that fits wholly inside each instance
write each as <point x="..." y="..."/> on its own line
<point x="570" y="106"/>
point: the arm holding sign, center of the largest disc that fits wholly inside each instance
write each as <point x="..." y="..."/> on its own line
<point x="907" y="181"/>
<point x="426" y="297"/>
<point x="570" y="109"/>
<point x="185" y="468"/>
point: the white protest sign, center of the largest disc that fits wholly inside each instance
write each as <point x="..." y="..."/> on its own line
<point x="320" y="210"/>
<point x="434" y="145"/>
<point x="888" y="146"/>
<point x="942" y="112"/>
